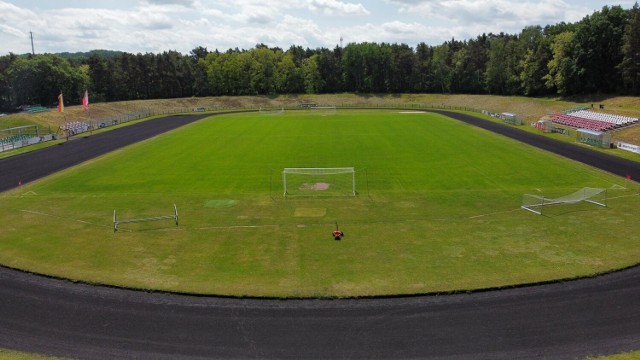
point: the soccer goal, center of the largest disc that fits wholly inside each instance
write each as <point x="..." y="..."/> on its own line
<point x="323" y="110"/>
<point x="535" y="203"/>
<point x="117" y="221"/>
<point x="319" y="181"/>
<point x="268" y="111"/>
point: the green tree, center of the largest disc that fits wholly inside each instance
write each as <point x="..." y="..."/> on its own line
<point x="598" y="51"/>
<point x="561" y="67"/>
<point x="630" y="65"/>
<point x="212" y="65"/>
<point x="503" y="73"/>
<point x="99" y="77"/>
<point x="6" y="98"/>
<point x="367" y="67"/>
<point x="330" y="68"/>
<point x="533" y="63"/>
<point x="263" y="70"/>
<point x="468" y="60"/>
<point x="313" y="82"/>
<point x="290" y="79"/>
<point x="403" y="69"/>
<point x="41" y="78"/>
<point x="424" y="74"/>
<point x="441" y="69"/>
<point x="200" y="86"/>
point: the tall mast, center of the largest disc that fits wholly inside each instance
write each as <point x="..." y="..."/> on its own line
<point x="33" y="52"/>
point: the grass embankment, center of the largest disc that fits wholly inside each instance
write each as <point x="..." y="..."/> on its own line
<point x="529" y="109"/>
<point x="437" y="211"/>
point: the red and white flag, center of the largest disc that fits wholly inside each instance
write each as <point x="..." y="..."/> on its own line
<point x="60" y="103"/>
<point x="85" y="100"/>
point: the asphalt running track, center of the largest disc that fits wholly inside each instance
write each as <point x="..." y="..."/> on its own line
<point x="566" y="320"/>
<point x="34" y="165"/>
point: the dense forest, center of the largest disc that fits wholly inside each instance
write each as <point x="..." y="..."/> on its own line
<point x="599" y="54"/>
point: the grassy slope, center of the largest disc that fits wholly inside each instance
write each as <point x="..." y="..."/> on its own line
<point x="530" y="109"/>
<point x="442" y="213"/>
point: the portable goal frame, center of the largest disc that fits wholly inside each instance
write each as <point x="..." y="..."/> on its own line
<point x="597" y="196"/>
<point x="116" y="222"/>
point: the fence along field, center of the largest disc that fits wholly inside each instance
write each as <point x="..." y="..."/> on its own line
<point x="441" y="212"/>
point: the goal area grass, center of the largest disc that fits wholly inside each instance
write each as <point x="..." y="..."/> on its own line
<point x="437" y="209"/>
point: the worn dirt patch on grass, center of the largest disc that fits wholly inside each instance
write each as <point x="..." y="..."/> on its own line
<point x="321" y="186"/>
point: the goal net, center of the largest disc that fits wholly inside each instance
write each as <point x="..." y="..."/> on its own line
<point x="319" y="181"/>
<point x="535" y="203"/>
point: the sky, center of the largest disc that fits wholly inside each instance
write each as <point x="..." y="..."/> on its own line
<point x="141" y="26"/>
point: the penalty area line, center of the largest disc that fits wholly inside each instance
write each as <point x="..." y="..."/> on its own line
<point x="493" y="213"/>
<point x="237" y="227"/>
<point x="60" y="217"/>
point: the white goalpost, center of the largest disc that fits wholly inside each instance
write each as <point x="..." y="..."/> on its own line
<point x="319" y="181"/>
<point x="535" y="203"/>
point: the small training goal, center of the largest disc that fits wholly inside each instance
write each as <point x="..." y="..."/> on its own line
<point x="319" y="181"/>
<point x="117" y="221"/>
<point x="323" y="110"/>
<point x="535" y="203"/>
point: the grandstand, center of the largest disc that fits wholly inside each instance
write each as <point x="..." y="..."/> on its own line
<point x="591" y="120"/>
<point x="610" y="118"/>
<point x="76" y="127"/>
<point x="13" y="139"/>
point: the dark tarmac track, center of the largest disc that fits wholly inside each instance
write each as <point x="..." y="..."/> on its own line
<point x="565" y="320"/>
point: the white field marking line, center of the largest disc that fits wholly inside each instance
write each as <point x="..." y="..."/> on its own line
<point x="492" y="213"/>
<point x="621" y="196"/>
<point x="60" y="217"/>
<point x="217" y="227"/>
<point x="237" y="227"/>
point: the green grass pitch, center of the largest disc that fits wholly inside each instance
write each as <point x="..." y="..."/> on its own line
<point x="437" y="210"/>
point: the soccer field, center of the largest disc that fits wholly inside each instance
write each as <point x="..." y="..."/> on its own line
<point x="437" y="209"/>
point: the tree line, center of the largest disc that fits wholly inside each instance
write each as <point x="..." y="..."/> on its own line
<point x="599" y="54"/>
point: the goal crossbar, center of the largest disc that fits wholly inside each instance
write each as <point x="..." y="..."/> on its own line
<point x="586" y="194"/>
<point x="319" y="171"/>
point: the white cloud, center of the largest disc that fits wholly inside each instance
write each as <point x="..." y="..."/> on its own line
<point x="187" y="3"/>
<point x="334" y="7"/>
<point x="398" y="32"/>
<point x="161" y="25"/>
<point x="10" y="22"/>
<point x="307" y="32"/>
<point x="465" y="19"/>
<point x="504" y="14"/>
